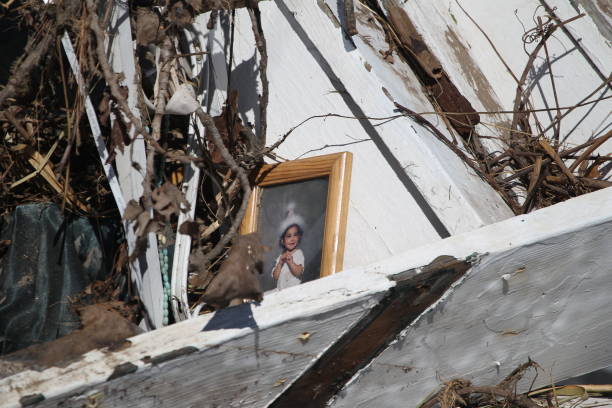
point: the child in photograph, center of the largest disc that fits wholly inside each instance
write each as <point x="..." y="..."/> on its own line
<point x="289" y="266"/>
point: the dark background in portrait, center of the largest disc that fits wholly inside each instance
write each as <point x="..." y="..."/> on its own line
<point x="310" y="199"/>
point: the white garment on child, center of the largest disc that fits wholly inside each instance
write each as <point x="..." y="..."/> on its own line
<point x="286" y="279"/>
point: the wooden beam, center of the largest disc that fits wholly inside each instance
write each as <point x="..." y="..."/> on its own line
<point x="415" y="291"/>
<point x="247" y="353"/>
<point x="547" y="301"/>
<point x="146" y="269"/>
<point x="563" y="249"/>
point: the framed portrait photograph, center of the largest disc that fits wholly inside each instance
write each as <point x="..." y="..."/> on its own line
<point x="299" y="208"/>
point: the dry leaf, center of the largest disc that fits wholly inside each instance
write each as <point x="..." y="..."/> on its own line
<point x="132" y="210"/>
<point x="147" y="26"/>
<point x="167" y="200"/>
<point x="104" y="109"/>
<point x="190" y="228"/>
<point x="142" y="223"/>
<point x="179" y="14"/>
<point x="237" y="278"/>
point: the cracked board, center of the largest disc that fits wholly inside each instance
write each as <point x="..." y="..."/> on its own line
<point x="548" y="301"/>
<point x="263" y="350"/>
<point x="244" y="372"/>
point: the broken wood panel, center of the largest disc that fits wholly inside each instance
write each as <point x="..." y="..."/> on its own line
<point x="416" y="290"/>
<point x="336" y="292"/>
<point x="547" y="301"/>
<point x="245" y="372"/>
<point x="400" y="83"/>
<point x="304" y="43"/>
<point x="146" y="268"/>
<point x="576" y="214"/>
<point x="296" y="310"/>
<point x="472" y="64"/>
<point x="182" y="246"/>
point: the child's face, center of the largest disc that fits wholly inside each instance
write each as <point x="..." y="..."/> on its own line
<point x="291" y="238"/>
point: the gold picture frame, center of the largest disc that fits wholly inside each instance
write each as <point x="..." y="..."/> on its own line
<point x="308" y="178"/>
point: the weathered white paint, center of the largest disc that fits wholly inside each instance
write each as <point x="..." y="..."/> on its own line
<point x="599" y="402"/>
<point x="540" y="293"/>
<point x="146" y="268"/>
<point x="384" y="220"/>
<point x="473" y="66"/>
<point x="228" y="359"/>
<point x="242" y="372"/>
<point x="401" y="83"/>
<point x="381" y="208"/>
<point x="96" y="133"/>
<point x="563" y="248"/>
<point x="182" y="247"/>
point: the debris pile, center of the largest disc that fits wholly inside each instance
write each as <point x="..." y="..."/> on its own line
<point x="68" y="116"/>
<point x="462" y="393"/>
<point x="531" y="166"/>
<point x="80" y="132"/>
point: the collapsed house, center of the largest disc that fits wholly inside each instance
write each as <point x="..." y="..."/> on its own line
<point x="474" y="238"/>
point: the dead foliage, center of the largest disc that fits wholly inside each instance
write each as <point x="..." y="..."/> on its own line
<point x="112" y="292"/>
<point x="48" y="152"/>
<point x="462" y="393"/>
<point x="237" y="278"/>
<point x="531" y="166"/>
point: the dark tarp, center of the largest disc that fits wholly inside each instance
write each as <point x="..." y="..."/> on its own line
<point x="51" y="256"/>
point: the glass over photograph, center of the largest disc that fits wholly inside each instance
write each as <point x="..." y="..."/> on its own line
<point x="291" y="223"/>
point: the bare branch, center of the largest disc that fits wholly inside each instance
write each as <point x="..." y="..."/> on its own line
<point x="260" y="42"/>
<point x="209" y="124"/>
<point x="22" y="72"/>
<point x="112" y="81"/>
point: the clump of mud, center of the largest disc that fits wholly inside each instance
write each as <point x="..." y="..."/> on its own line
<point x="102" y="326"/>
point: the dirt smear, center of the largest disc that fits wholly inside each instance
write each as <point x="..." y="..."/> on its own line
<point x="473" y="74"/>
<point x="102" y="326"/>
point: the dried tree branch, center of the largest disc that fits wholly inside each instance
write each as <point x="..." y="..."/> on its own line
<point x="584" y="102"/>
<point x="520" y="96"/>
<point x="520" y="401"/>
<point x="212" y="130"/>
<point x="112" y="81"/>
<point x="581" y="103"/>
<point x="470" y="162"/>
<point x="503" y="61"/>
<point x="554" y="88"/>
<point x="557" y="159"/>
<point x="562" y="154"/>
<point x="598" y="142"/>
<point x="8" y="115"/>
<point x="534" y="182"/>
<point x="160" y="107"/>
<point x="22" y="72"/>
<point x="260" y="41"/>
